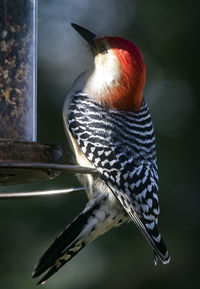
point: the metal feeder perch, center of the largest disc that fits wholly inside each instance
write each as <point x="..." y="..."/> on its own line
<point x="22" y="158"/>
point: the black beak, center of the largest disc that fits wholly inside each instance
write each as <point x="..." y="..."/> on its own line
<point x="86" y="34"/>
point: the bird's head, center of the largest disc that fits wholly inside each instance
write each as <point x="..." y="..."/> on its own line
<point x="118" y="78"/>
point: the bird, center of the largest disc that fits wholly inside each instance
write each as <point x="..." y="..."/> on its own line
<point x="109" y="127"/>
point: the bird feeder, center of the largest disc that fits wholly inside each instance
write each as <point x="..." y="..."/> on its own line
<point x="19" y="150"/>
<point x="22" y="158"/>
<point x="18" y="51"/>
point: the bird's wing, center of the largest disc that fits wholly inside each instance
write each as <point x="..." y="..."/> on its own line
<point x="143" y="211"/>
<point x="136" y="189"/>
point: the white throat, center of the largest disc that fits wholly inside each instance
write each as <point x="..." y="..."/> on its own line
<point x="104" y="76"/>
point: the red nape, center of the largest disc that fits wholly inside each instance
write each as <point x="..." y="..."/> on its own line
<point x="129" y="94"/>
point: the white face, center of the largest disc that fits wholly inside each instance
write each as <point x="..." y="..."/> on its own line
<point x="106" y="71"/>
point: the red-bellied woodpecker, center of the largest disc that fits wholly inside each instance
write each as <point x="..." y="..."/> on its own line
<point x="109" y="127"/>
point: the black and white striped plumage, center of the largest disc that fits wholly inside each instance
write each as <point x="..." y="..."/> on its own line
<point x="119" y="143"/>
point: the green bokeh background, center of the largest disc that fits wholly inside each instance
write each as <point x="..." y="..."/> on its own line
<point x="167" y="32"/>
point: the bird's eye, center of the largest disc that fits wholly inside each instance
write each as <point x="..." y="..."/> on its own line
<point x="103" y="50"/>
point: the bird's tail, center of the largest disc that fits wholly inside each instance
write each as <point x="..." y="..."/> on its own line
<point x="69" y="242"/>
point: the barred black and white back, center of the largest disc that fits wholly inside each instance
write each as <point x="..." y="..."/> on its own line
<point x="121" y="145"/>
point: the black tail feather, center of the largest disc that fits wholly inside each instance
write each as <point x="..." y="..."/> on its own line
<point x="58" y="265"/>
<point x="65" y="246"/>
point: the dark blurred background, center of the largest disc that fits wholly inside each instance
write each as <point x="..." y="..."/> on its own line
<point x="167" y="32"/>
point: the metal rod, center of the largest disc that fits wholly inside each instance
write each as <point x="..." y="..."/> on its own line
<point x="22" y="195"/>
<point x="59" y="167"/>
